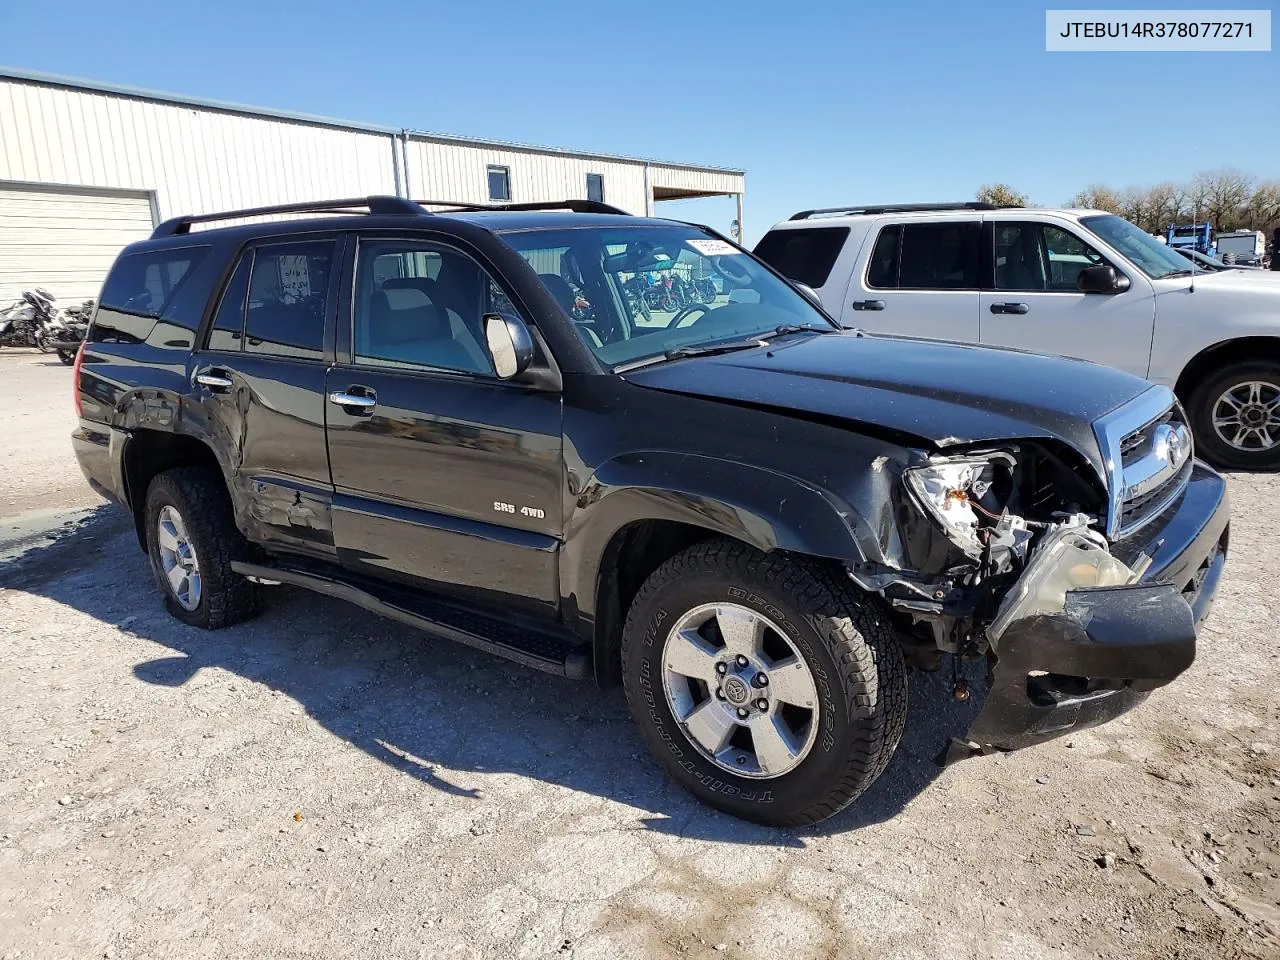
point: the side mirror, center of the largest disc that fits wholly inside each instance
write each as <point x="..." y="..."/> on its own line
<point x="1103" y="279"/>
<point x="810" y="294"/>
<point x="509" y="342"/>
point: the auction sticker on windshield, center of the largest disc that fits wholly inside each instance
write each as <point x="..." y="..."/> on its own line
<point x="714" y="248"/>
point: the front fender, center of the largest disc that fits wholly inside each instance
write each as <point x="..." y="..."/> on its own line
<point x="765" y="508"/>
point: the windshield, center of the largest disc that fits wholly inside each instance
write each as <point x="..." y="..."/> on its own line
<point x="1150" y="255"/>
<point x="639" y="292"/>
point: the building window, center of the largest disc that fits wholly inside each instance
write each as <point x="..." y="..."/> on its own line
<point x="499" y="183"/>
<point x="595" y="187"/>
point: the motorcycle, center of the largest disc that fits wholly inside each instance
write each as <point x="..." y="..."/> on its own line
<point x="18" y="325"/>
<point x="704" y="290"/>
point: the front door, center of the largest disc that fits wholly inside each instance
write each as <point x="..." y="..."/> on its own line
<point x="920" y="281"/>
<point x="445" y="476"/>
<point x="1035" y="304"/>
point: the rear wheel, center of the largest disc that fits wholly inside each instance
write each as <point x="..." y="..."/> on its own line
<point x="768" y="688"/>
<point x="192" y="540"/>
<point x="1236" y="416"/>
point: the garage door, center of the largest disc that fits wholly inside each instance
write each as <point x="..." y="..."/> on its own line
<point x="64" y="240"/>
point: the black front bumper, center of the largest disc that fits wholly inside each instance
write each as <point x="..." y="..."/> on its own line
<point x="1110" y="646"/>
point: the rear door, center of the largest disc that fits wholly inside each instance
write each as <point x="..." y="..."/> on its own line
<point x="260" y="381"/>
<point x="920" y="279"/>
<point x="445" y="475"/>
<point x="1034" y="303"/>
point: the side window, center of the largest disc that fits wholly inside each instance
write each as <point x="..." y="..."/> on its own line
<point x="803" y="255"/>
<point x="939" y="256"/>
<point x="882" y="271"/>
<point x="288" y="296"/>
<point x="1067" y="255"/>
<point x="1019" y="256"/>
<point x="427" y="311"/>
<point x="141" y="289"/>
<point x="228" y="322"/>
<point x="595" y="187"/>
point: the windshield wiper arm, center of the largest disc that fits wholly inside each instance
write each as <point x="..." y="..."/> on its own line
<point x="680" y="353"/>
<point x="786" y="328"/>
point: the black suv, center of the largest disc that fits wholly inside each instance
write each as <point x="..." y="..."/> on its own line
<point x="480" y="422"/>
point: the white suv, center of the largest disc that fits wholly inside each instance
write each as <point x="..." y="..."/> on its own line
<point x="1079" y="283"/>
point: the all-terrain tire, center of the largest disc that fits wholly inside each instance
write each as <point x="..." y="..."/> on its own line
<point x="200" y="497"/>
<point x="847" y="643"/>
<point x="1200" y="408"/>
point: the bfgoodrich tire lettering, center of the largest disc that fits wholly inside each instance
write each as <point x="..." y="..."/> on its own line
<point x="850" y="650"/>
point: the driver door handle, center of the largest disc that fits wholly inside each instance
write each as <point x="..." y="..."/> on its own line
<point x="1010" y="308"/>
<point x="216" y="380"/>
<point x="358" y="404"/>
<point x="868" y="304"/>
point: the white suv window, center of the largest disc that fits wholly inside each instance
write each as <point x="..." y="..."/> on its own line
<point x="935" y="255"/>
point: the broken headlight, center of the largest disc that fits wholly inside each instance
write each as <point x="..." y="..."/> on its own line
<point x="964" y="496"/>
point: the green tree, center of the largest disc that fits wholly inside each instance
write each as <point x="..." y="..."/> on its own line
<point x="1001" y="195"/>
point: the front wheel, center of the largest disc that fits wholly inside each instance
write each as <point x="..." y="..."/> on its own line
<point x="1235" y="414"/>
<point x="769" y="688"/>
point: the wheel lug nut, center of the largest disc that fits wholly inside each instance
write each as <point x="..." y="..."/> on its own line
<point x="742" y="712"/>
<point x="719" y="694"/>
<point x="763" y="705"/>
<point x="721" y="668"/>
<point x="742" y="661"/>
<point x="762" y="679"/>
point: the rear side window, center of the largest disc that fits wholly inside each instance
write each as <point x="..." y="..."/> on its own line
<point x="939" y="256"/>
<point x="803" y="255"/>
<point x="228" y="322"/>
<point x="288" y="299"/>
<point x="143" y="288"/>
<point x="882" y="271"/>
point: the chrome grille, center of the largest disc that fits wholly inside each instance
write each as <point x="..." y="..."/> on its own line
<point x="1148" y="449"/>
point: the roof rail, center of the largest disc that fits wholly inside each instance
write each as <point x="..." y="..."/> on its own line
<point x="373" y="205"/>
<point x="575" y="206"/>
<point x="897" y="208"/>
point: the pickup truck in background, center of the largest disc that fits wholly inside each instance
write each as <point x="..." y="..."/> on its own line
<point x="1076" y="283"/>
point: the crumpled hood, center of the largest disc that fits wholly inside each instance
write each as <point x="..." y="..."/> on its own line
<point x="943" y="394"/>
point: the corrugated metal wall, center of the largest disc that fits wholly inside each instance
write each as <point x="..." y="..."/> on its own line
<point x="201" y="159"/>
<point x="455" y="171"/>
<point x="196" y="161"/>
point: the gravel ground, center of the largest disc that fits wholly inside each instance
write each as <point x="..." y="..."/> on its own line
<point x="321" y="782"/>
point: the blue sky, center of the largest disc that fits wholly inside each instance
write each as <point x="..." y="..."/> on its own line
<point x="822" y="103"/>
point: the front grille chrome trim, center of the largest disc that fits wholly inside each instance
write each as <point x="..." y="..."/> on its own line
<point x="1111" y="430"/>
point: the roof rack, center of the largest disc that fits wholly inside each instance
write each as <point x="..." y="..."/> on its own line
<point x="372" y="205"/>
<point x="574" y="206"/>
<point x="897" y="208"/>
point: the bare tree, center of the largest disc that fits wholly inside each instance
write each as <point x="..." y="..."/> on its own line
<point x="1263" y="208"/>
<point x="1162" y="208"/>
<point x="1225" y="193"/>
<point x="1001" y="195"/>
<point x="1098" y="196"/>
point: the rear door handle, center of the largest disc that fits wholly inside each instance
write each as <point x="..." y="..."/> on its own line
<point x="216" y="380"/>
<point x="355" y="400"/>
<point x="868" y="304"/>
<point x="1010" y="308"/>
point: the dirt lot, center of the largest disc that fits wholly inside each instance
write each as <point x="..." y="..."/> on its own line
<point x="321" y="782"/>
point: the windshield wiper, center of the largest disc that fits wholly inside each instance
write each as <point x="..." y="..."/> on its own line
<point x="786" y="328"/>
<point x="680" y="353"/>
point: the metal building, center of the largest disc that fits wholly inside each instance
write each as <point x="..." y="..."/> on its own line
<point x="86" y="168"/>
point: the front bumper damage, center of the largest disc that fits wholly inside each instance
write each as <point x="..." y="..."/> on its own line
<point x="1102" y="650"/>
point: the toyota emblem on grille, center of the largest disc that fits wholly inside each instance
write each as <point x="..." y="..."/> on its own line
<point x="1172" y="443"/>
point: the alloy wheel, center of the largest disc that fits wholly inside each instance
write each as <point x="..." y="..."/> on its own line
<point x="740" y="689"/>
<point x="1247" y="416"/>
<point x="178" y="560"/>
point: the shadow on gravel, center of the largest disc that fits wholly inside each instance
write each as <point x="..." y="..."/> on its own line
<point x="428" y="707"/>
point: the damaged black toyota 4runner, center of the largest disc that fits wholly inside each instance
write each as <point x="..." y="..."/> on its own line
<point x="602" y="444"/>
